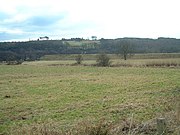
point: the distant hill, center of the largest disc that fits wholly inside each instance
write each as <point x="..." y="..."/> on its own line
<point x="33" y="50"/>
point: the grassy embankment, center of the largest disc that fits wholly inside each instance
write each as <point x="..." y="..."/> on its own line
<point x="37" y="97"/>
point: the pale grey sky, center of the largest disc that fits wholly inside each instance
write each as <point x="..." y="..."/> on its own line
<point x="24" y="19"/>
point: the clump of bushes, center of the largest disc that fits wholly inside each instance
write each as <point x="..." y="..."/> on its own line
<point x="162" y="64"/>
<point x="103" y="60"/>
<point x="16" y="62"/>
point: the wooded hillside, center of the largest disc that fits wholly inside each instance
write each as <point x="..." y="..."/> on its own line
<point x="33" y="50"/>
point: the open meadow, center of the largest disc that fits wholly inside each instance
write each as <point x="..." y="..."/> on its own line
<point x="48" y="97"/>
<point x="74" y="67"/>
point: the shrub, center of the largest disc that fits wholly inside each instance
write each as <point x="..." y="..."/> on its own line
<point x="103" y="60"/>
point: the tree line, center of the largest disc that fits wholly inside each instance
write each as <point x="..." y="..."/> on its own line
<point x="33" y="50"/>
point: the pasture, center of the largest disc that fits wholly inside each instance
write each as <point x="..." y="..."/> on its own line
<point x="57" y="97"/>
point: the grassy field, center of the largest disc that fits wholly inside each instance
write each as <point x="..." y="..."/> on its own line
<point x="113" y="56"/>
<point x="169" y="62"/>
<point x="81" y="43"/>
<point x="46" y="95"/>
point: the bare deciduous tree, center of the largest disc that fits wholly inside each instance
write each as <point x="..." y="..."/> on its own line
<point x="125" y="49"/>
<point x="79" y="59"/>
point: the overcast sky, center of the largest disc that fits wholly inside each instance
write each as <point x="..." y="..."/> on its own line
<point x="24" y="19"/>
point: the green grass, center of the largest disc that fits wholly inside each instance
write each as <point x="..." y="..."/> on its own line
<point x="87" y="43"/>
<point x="37" y="93"/>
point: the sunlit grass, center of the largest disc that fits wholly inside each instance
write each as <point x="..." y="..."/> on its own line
<point x="37" y="92"/>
